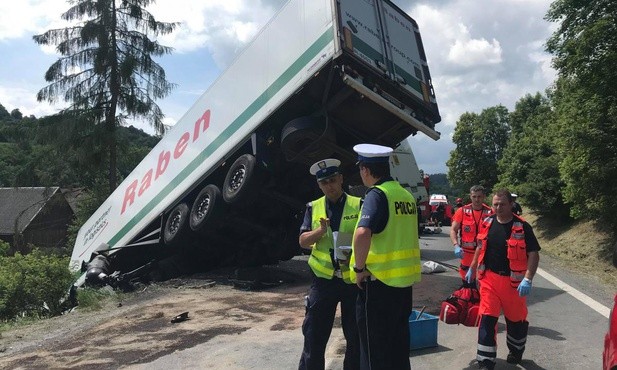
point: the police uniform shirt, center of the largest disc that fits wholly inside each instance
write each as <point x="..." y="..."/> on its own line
<point x="496" y="255"/>
<point x="375" y="209"/>
<point x="334" y="211"/>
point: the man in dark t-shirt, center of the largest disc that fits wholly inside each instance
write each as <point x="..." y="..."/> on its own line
<point x="496" y="257"/>
<point x="506" y="261"/>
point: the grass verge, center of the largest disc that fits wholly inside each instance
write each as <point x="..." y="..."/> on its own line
<point x="584" y="246"/>
<point x="90" y="299"/>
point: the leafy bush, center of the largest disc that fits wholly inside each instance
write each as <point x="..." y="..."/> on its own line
<point x="33" y="285"/>
<point x="91" y="299"/>
<point x="4" y="248"/>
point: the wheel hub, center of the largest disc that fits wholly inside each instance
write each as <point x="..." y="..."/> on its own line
<point x="203" y="207"/>
<point x="174" y="225"/>
<point x="238" y="178"/>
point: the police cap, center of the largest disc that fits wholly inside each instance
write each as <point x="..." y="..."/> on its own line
<point x="372" y="153"/>
<point x="325" y="168"/>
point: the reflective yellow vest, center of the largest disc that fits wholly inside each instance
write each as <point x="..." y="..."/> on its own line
<point x="320" y="260"/>
<point x="394" y="254"/>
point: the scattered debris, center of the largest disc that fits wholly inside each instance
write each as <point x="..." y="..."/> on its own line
<point x="181" y="317"/>
<point x="432" y="267"/>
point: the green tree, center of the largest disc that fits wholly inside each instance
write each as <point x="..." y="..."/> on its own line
<point x="585" y="54"/>
<point x="29" y="283"/>
<point x="106" y="70"/>
<point x="61" y="151"/>
<point x="585" y="43"/>
<point x="16" y="114"/>
<point x="480" y="140"/>
<point x="587" y="143"/>
<point x="530" y="162"/>
<point x="4" y="114"/>
<point x="439" y="185"/>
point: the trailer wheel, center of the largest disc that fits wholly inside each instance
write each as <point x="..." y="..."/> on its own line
<point x="303" y="137"/>
<point x="290" y="247"/>
<point x="241" y="180"/>
<point x="207" y="209"/>
<point x="177" y="225"/>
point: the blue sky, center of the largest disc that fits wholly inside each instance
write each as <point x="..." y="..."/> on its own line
<point x="481" y="53"/>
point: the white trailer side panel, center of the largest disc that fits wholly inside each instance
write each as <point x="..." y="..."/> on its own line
<point x="403" y="39"/>
<point x="298" y="41"/>
<point x="388" y="40"/>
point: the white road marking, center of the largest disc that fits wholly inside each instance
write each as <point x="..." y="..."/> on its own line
<point x="595" y="305"/>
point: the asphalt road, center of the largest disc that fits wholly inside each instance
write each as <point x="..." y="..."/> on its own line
<point x="236" y="329"/>
<point x="564" y="333"/>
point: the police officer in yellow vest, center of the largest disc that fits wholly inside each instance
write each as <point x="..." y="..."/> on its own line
<point x="329" y="223"/>
<point x="386" y="262"/>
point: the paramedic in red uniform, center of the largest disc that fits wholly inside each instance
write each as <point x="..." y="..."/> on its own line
<point x="505" y="263"/>
<point x="458" y="204"/>
<point x="467" y="221"/>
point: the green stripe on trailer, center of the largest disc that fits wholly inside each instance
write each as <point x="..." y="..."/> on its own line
<point x="280" y="82"/>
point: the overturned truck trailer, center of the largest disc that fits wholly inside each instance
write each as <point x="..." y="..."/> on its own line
<point x="230" y="179"/>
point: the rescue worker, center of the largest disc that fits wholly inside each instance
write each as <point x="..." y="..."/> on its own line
<point x="333" y="215"/>
<point x="505" y="263"/>
<point x="458" y="204"/>
<point x="386" y="262"/>
<point x="466" y="222"/>
<point x="516" y="207"/>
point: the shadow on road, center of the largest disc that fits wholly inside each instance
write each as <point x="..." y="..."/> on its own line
<point x="429" y="351"/>
<point x="502" y="364"/>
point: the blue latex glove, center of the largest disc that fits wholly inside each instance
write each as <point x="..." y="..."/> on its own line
<point x="524" y="287"/>
<point x="458" y="251"/>
<point x="469" y="276"/>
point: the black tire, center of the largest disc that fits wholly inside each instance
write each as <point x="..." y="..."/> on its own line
<point x="291" y="248"/>
<point x="287" y="245"/>
<point x="177" y="225"/>
<point x="301" y="139"/>
<point x="207" y="209"/>
<point x="242" y="180"/>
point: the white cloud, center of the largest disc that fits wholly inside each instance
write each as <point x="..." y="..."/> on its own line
<point x="222" y="27"/>
<point x="25" y="17"/>
<point x="474" y="52"/>
<point x="24" y="99"/>
<point x="481" y="53"/>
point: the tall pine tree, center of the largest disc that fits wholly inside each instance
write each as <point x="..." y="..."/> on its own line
<point x="106" y="71"/>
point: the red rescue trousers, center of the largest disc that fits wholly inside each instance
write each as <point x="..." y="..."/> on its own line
<point x="497" y="294"/>
<point x="465" y="262"/>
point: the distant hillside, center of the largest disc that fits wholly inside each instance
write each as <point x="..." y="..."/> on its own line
<point x="31" y="156"/>
<point x="439" y="184"/>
